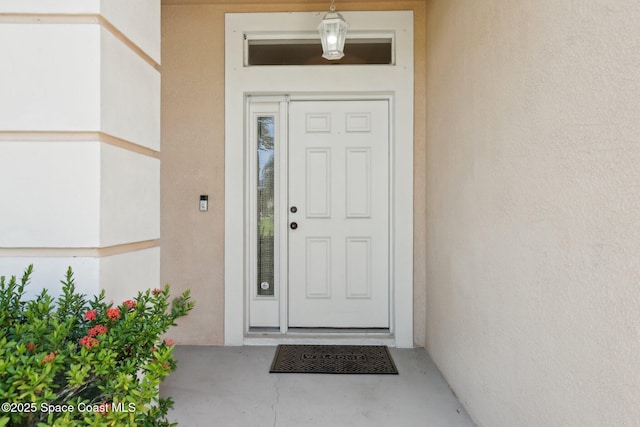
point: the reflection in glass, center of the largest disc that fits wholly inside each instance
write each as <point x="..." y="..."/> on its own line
<point x="265" y="205"/>
<point x="368" y="51"/>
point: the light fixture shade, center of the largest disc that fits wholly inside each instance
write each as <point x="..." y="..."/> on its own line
<point x="333" y="32"/>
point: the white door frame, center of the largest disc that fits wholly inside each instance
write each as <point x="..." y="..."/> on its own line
<point x="394" y="82"/>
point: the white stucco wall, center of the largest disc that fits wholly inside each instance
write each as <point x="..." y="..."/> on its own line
<point x="49" y="271"/>
<point x="77" y="77"/>
<point x="129" y="93"/>
<point x="54" y="79"/>
<point x="129" y="197"/>
<point x="47" y="6"/>
<point x="533" y="219"/>
<point x="125" y="274"/>
<point x="79" y="142"/>
<point x="138" y="20"/>
<point x="49" y="193"/>
<point x="130" y="273"/>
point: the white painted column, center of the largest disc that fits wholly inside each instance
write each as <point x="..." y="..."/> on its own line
<point x="80" y="142"/>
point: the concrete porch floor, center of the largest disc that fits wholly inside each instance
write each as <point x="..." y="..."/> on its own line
<point x="232" y="386"/>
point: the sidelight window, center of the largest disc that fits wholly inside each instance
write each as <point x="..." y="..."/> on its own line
<point x="265" y="203"/>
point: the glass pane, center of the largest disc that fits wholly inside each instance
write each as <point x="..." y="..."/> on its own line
<point x="266" y="204"/>
<point x="309" y="52"/>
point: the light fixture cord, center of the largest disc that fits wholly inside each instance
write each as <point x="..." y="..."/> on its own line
<point x="332" y="8"/>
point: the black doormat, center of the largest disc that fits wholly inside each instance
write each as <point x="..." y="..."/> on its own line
<point x="333" y="359"/>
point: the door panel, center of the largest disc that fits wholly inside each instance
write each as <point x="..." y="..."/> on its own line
<point x="339" y="184"/>
<point x="318" y="182"/>
<point x="318" y="267"/>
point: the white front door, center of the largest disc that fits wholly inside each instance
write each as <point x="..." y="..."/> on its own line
<point x="338" y="214"/>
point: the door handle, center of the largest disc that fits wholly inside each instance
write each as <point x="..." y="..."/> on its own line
<point x="294" y="209"/>
<point x="293" y="225"/>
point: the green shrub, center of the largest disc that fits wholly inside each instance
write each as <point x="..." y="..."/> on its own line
<point x="70" y="361"/>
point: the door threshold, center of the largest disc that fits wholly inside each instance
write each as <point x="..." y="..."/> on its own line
<point x="319" y="336"/>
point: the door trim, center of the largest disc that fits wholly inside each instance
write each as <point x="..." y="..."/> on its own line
<point x="319" y="82"/>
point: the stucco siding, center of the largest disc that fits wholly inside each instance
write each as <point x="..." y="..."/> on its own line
<point x="533" y="209"/>
<point x="193" y="154"/>
<point x="79" y="141"/>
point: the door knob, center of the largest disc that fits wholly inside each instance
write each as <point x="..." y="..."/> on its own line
<point x="294" y="209"/>
<point x="293" y="225"/>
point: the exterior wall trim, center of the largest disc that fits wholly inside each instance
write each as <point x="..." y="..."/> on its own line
<point x="29" y="18"/>
<point x="318" y="81"/>
<point x="56" y="136"/>
<point x="78" y="252"/>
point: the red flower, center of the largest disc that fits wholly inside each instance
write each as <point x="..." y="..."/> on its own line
<point x="113" y="313"/>
<point x="90" y="315"/>
<point x="31" y="346"/>
<point x="49" y="357"/>
<point x="130" y="304"/>
<point x="169" y="342"/>
<point x="98" y="330"/>
<point x="88" y="341"/>
<point x="156" y="291"/>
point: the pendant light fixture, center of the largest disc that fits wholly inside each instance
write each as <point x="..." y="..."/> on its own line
<point x="333" y="32"/>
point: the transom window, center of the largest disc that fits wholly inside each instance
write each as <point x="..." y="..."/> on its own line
<point x="306" y="49"/>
